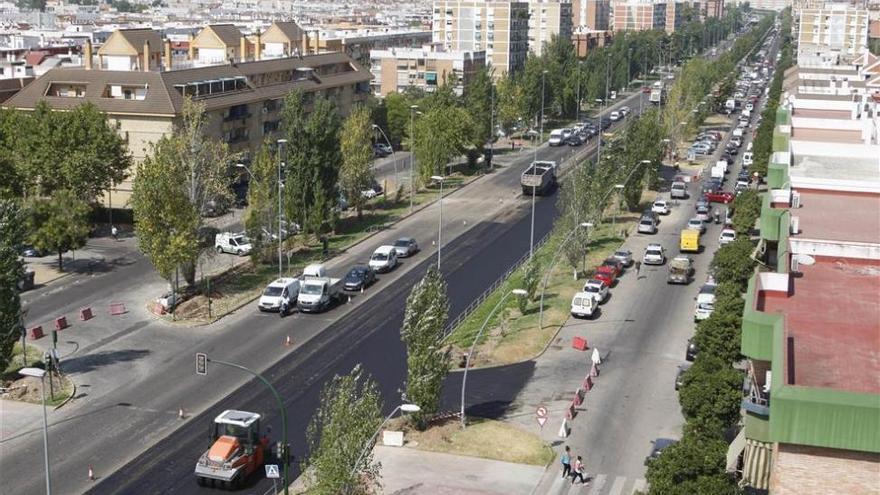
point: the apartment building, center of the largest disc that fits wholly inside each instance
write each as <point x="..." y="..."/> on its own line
<point x="776" y="5"/>
<point x="548" y="18"/>
<point x="641" y="15"/>
<point x="811" y="324"/>
<point x="711" y="9"/>
<point x="835" y="30"/>
<point x="593" y="15"/>
<point x="501" y="28"/>
<point x="138" y="82"/>
<point x="586" y="40"/>
<point x="426" y="68"/>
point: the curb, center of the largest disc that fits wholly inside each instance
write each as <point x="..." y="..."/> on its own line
<point x="70" y="397"/>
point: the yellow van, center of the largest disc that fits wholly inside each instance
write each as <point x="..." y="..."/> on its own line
<point x="690" y="241"/>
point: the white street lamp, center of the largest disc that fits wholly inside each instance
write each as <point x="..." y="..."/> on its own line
<point x="584" y="225"/>
<point x="41" y="374"/>
<point x="407" y="408"/>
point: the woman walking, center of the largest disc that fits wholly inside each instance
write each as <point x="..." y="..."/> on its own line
<point x="566" y="462"/>
<point x="578" y="471"/>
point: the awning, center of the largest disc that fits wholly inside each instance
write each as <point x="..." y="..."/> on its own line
<point x="735" y="449"/>
<point x="756" y="464"/>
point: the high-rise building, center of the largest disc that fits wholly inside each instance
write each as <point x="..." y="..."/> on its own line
<point x="833" y="32"/>
<point x="501" y="28"/>
<point x="427" y="68"/>
<point x="593" y="15"/>
<point x="641" y="15"/>
<point x="548" y="18"/>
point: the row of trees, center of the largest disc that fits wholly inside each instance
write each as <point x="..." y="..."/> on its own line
<point x="711" y="391"/>
<point x="341" y="432"/>
<point x="55" y="165"/>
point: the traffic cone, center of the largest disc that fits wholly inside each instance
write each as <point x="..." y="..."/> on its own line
<point x="91" y="473"/>
<point x="563" y="430"/>
<point x="288" y="342"/>
<point x="594" y="370"/>
<point x="180" y="413"/>
<point x="362" y="289"/>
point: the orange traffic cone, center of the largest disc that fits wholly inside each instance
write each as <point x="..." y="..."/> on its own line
<point x="91" y="473"/>
<point x="288" y="342"/>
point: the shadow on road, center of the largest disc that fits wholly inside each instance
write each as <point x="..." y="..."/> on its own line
<point x="91" y="362"/>
<point x="490" y="391"/>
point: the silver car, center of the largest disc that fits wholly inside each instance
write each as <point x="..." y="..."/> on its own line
<point x="406" y="246"/>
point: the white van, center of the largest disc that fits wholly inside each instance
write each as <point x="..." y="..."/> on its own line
<point x="583" y="305"/>
<point x="280" y="289"/>
<point x="557" y="136"/>
<point x="230" y="242"/>
<point x="384" y="259"/>
<point x="705" y="302"/>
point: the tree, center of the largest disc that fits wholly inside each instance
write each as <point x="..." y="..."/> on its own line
<point x="262" y="211"/>
<point x="695" y="464"/>
<point x="531" y="278"/>
<point x="173" y="187"/>
<point x="478" y="101"/>
<point x="397" y="112"/>
<point x="12" y="231"/>
<point x="509" y="104"/>
<point x="746" y="210"/>
<point x="733" y="263"/>
<point x="349" y="413"/>
<point x="441" y="134"/>
<point x="711" y="394"/>
<point x="58" y="224"/>
<point x="427" y="311"/>
<point x="355" y="175"/>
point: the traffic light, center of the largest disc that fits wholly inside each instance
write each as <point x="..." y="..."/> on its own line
<point x="201" y="363"/>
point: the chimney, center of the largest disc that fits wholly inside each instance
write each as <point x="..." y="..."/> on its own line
<point x="87" y="55"/>
<point x="258" y="47"/>
<point x="243" y="48"/>
<point x="167" y="54"/>
<point x="146" y="56"/>
<point x="191" y="50"/>
<point x="305" y="40"/>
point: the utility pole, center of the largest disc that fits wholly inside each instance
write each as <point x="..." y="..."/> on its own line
<point x="412" y="154"/>
<point x="281" y="148"/>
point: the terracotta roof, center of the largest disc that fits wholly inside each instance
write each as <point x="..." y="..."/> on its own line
<point x="228" y="34"/>
<point x="162" y="98"/>
<point x="289" y="29"/>
<point x="35" y="58"/>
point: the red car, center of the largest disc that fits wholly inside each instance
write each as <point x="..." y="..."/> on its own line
<point x="606" y="274"/>
<point x="646" y="89"/>
<point x="719" y="197"/>
<point x="615" y="264"/>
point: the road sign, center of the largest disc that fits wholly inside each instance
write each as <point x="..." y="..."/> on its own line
<point x="201" y="363"/>
<point x="272" y="471"/>
<point x="541" y="415"/>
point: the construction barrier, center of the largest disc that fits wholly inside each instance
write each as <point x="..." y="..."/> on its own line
<point x="594" y="370"/>
<point x="571" y="412"/>
<point x="86" y="314"/>
<point x="578" y="397"/>
<point x="36" y="333"/>
<point x="117" y="308"/>
<point x="580" y="343"/>
<point x="61" y="323"/>
<point x="588" y="383"/>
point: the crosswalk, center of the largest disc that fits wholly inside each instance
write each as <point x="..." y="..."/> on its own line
<point x="599" y="484"/>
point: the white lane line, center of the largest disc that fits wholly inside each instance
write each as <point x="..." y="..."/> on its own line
<point x="617" y="487"/>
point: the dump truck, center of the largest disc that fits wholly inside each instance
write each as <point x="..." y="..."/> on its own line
<point x="317" y="291"/>
<point x="238" y="449"/>
<point x="681" y="268"/>
<point x="539" y="178"/>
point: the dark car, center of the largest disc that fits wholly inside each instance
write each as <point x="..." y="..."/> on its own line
<point x="727" y="158"/>
<point x="575" y="139"/>
<point x="691" y="353"/>
<point x="615" y="264"/>
<point x="606" y="123"/>
<point x="359" y="277"/>
<point x="30" y="251"/>
<point x="660" y="445"/>
<point x="649" y="213"/>
<point x="679" y="375"/>
<point x="731" y="150"/>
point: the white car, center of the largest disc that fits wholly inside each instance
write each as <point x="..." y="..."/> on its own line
<point x="727" y="236"/>
<point x="598" y="289"/>
<point x="748" y="159"/>
<point x="282" y="289"/>
<point x="384" y="259"/>
<point x="660" y="207"/>
<point x="369" y="193"/>
<point x="233" y="243"/>
<point x="654" y="255"/>
<point x="624" y="111"/>
<point x="696" y="224"/>
<point x="647" y="225"/>
<point x="583" y="305"/>
<point x="615" y="116"/>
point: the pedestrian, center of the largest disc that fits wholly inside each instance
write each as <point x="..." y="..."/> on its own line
<point x="285" y="304"/>
<point x="578" y="471"/>
<point x="638" y="268"/>
<point x="566" y="462"/>
<point x="114" y="232"/>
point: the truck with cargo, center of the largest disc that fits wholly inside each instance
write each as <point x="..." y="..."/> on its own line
<point x="539" y="178"/>
<point x="680" y="270"/>
<point x="717" y="172"/>
<point x="317" y="291"/>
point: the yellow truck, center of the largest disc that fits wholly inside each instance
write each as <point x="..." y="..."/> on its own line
<point x="690" y="241"/>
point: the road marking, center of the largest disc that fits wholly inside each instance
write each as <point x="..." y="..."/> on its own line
<point x="617" y="487"/>
<point x="597" y="483"/>
<point x="557" y="487"/>
<point x="641" y="485"/>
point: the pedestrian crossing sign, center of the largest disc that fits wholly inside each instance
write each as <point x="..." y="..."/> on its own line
<point x="272" y="471"/>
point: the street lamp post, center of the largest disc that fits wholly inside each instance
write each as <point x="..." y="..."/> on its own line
<point x="578" y="105"/>
<point x="601" y="103"/>
<point x="440" y="179"/>
<point x="618" y="187"/>
<point x="412" y="153"/>
<point x="407" y="408"/>
<point x="388" y="142"/>
<point x="534" y="170"/>
<point x="467" y="363"/>
<point x="282" y="147"/>
<point x="585" y="225"/>
<point x="41" y="374"/>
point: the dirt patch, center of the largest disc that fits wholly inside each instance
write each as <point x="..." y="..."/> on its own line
<point x="484" y="438"/>
<point x="27" y="389"/>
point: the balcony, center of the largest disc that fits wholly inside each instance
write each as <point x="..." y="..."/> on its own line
<point x="757" y="397"/>
<point x="231" y="117"/>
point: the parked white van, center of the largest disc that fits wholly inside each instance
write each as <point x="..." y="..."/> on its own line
<point x="583" y="305"/>
<point x="705" y="301"/>
<point x="230" y="242"/>
<point x="280" y="289"/>
<point x="384" y="259"/>
<point x="557" y="137"/>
